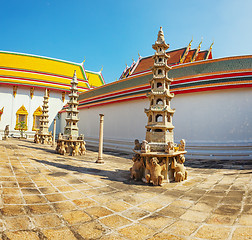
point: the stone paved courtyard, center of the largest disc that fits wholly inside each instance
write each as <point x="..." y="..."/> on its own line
<point x="49" y="196"/>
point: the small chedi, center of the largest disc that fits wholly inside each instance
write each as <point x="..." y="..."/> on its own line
<point x="43" y="136"/>
<point x="70" y="142"/>
<point x="158" y="158"/>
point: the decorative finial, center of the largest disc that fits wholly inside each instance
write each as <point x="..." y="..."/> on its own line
<point x="74" y="79"/>
<point x="101" y="68"/>
<point x="190" y="43"/>
<point x="160" y="36"/>
<point x="133" y="60"/>
<point x="211" y="46"/>
<point x="139" y="55"/>
<point x="84" y="60"/>
<point x="46" y="92"/>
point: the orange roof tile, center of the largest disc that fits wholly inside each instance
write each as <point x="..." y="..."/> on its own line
<point x="189" y="56"/>
<point x="201" y="56"/>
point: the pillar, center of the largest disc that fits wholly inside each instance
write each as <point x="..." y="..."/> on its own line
<point x="54" y="131"/>
<point x="100" y="159"/>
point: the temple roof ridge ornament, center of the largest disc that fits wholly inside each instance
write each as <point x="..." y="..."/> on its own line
<point x="197" y="51"/>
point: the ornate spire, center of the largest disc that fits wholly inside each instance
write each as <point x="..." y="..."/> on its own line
<point x="74" y="79"/>
<point x="160" y="38"/>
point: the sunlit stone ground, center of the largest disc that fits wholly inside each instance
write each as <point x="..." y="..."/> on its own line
<point x="49" y="196"/>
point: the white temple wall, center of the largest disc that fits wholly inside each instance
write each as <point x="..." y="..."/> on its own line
<point x="11" y="105"/>
<point x="214" y="124"/>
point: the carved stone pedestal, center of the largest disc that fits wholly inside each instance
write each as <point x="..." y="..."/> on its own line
<point x="69" y="146"/>
<point x="168" y="172"/>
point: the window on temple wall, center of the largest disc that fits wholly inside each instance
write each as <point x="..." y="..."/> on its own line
<point x="158" y="130"/>
<point x="160" y="71"/>
<point x="159" y="118"/>
<point x="160" y="59"/>
<point x="150" y="118"/>
<point x="159" y="85"/>
<point x="160" y="101"/>
<point x="21" y="116"/>
<point x="36" y="119"/>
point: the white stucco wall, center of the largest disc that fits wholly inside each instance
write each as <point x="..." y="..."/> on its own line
<point x="218" y="120"/>
<point x="11" y="105"/>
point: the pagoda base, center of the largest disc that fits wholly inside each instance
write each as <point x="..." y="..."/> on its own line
<point x="43" y="138"/>
<point x="71" y="146"/>
<point x="169" y="172"/>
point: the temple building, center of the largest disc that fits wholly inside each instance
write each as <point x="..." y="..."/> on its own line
<point x="23" y="80"/>
<point x="213" y="105"/>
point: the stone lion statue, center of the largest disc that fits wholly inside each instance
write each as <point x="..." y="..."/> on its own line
<point x="137" y="170"/>
<point x="154" y="171"/>
<point x="180" y="173"/>
<point x="145" y="147"/>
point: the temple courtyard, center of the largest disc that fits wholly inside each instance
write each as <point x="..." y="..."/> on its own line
<point x="49" y="196"/>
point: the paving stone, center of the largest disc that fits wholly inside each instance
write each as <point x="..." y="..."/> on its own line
<point x="97" y="212"/>
<point x="156" y="221"/>
<point x="221" y="219"/>
<point x="13" y="210"/>
<point x="75" y="217"/>
<point x="12" y="199"/>
<point x="227" y="209"/>
<point x="166" y="236"/>
<point x="33" y="199"/>
<point x="90" y="230"/>
<point x="64" y="206"/>
<point x="24" y="235"/>
<point x="184" y="228"/>
<point x="55" y="197"/>
<point x="40" y="209"/>
<point x="118" y="206"/>
<point x="171" y="211"/>
<point x="195" y="216"/>
<point x="115" y="221"/>
<point x="47" y="221"/>
<point x="135" y="213"/>
<point x="18" y="223"/>
<point x="136" y="232"/>
<point x="242" y="233"/>
<point x="245" y="220"/>
<point x="213" y="232"/>
<point x="85" y="202"/>
<point x="59" y="234"/>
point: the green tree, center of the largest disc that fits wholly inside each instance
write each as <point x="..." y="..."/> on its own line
<point x="22" y="127"/>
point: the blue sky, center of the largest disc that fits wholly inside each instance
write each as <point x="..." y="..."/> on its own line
<point x="109" y="33"/>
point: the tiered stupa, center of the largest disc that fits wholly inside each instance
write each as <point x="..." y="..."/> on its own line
<point x="70" y="142"/>
<point x="159" y="127"/>
<point x="43" y="135"/>
<point x="161" y="157"/>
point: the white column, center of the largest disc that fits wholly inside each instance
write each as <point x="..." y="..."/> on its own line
<point x="100" y="159"/>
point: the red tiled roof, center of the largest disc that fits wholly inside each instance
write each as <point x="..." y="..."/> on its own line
<point x="189" y="56"/>
<point x="201" y="55"/>
<point x="147" y="63"/>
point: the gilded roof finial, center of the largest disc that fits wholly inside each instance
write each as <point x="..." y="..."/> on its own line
<point x="101" y="69"/>
<point x="139" y="55"/>
<point x="211" y="46"/>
